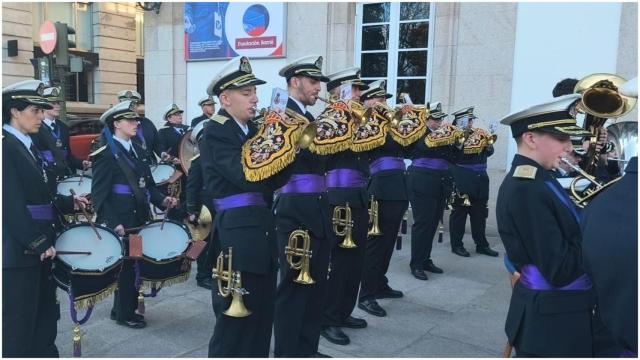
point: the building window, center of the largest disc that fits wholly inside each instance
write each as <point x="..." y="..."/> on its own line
<point x="139" y="33"/>
<point x="393" y="41"/>
<point x="77" y="15"/>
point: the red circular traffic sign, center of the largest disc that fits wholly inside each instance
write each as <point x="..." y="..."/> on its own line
<point x="48" y="37"/>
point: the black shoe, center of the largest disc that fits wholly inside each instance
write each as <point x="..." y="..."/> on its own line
<point x="354" y="323"/>
<point x="134" y="316"/>
<point x="461" y="251"/>
<point x="389" y="293"/>
<point x="372" y="307"/>
<point x="487" y="251"/>
<point x="335" y="335"/>
<point x="431" y="267"/>
<point x="320" y="355"/>
<point x="134" y="324"/>
<point x="419" y="274"/>
<point x="206" y="283"/>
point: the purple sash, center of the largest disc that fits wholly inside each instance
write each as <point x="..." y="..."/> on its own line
<point x="531" y="278"/>
<point x="431" y="163"/>
<point x="628" y="354"/>
<point x="304" y="184"/>
<point x="238" y="200"/>
<point x="474" y="167"/>
<point x="345" y="178"/>
<point x="41" y="212"/>
<point x="386" y="163"/>
<point x="48" y="156"/>
<point x="124" y="189"/>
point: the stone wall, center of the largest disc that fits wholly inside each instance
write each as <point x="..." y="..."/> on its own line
<point x="17" y="24"/>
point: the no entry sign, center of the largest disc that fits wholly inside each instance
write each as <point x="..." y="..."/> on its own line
<point x="48" y="37"/>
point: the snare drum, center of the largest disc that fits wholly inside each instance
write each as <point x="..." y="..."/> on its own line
<point x="80" y="184"/>
<point x="163" y="252"/>
<point x="161" y="173"/>
<point x="90" y="277"/>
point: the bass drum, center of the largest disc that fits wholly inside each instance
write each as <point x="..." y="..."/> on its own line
<point x="163" y="249"/>
<point x="89" y="278"/>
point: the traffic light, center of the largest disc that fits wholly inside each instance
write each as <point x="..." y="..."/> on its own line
<point x="64" y="44"/>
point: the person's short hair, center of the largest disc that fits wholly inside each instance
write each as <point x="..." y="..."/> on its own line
<point x="8" y="105"/>
<point x="564" y="87"/>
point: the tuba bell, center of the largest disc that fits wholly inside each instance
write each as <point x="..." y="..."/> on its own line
<point x="374" y="218"/>
<point x="294" y="249"/>
<point x="234" y="285"/>
<point x="342" y="225"/>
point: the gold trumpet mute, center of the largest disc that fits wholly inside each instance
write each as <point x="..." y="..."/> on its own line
<point x="308" y="135"/>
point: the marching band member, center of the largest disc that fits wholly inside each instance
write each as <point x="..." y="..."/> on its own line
<point x="121" y="190"/>
<point x="169" y="137"/>
<point x="552" y="302"/>
<point x="243" y="221"/>
<point x="388" y="187"/>
<point x="471" y="179"/>
<point x="302" y="204"/>
<point x="53" y="139"/>
<point x="197" y="196"/>
<point x="208" y="105"/>
<point x="428" y="183"/>
<point x="346" y="181"/>
<point x="29" y="309"/>
<point x="147" y="134"/>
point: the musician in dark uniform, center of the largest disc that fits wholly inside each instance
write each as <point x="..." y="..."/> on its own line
<point x="429" y="184"/>
<point x="302" y="205"/>
<point x="121" y="190"/>
<point x="388" y="187"/>
<point x="197" y="196"/>
<point x="472" y="185"/>
<point x="170" y="136"/>
<point x="29" y="309"/>
<point x="552" y="302"/>
<point x="208" y="105"/>
<point x="610" y="253"/>
<point x="243" y="220"/>
<point x="147" y="134"/>
<point x="53" y="140"/>
<point x="346" y="180"/>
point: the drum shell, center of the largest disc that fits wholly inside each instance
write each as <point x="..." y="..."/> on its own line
<point x="164" y="269"/>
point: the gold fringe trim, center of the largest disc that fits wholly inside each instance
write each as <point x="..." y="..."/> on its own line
<point x="86" y="301"/>
<point x="267" y="171"/>
<point x="369" y="145"/>
<point x="149" y="284"/>
<point x="330" y="149"/>
<point x="473" y="150"/>
<point x="406" y="141"/>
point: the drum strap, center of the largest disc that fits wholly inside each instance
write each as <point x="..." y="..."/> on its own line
<point x="59" y="156"/>
<point x="141" y="199"/>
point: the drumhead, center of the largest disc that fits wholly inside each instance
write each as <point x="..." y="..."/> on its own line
<point x="161" y="173"/>
<point x="164" y="244"/>
<point x="80" y="184"/>
<point x="105" y="252"/>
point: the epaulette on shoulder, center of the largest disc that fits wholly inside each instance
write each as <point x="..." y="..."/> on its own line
<point x="101" y="149"/>
<point x="525" y="172"/>
<point x="195" y="157"/>
<point x="219" y="119"/>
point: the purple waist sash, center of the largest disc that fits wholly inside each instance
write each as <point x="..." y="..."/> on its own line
<point x="238" y="200"/>
<point x="532" y="279"/>
<point x="124" y="189"/>
<point x="628" y="354"/>
<point x="474" y="167"/>
<point x="431" y="163"/>
<point x="386" y="163"/>
<point x="345" y="178"/>
<point x="48" y="156"/>
<point x="41" y="212"/>
<point x="304" y="184"/>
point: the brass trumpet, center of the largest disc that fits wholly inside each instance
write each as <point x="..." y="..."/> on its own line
<point x="393" y="116"/>
<point x="373" y="218"/>
<point x="581" y="200"/>
<point x="294" y="249"/>
<point x="308" y="132"/>
<point x="465" y="199"/>
<point x="346" y="223"/>
<point x="234" y="285"/>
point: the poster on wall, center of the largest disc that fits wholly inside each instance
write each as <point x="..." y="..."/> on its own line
<point x="223" y="30"/>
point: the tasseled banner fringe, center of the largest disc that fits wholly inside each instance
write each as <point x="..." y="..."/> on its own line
<point x="410" y="139"/>
<point x="87" y="301"/>
<point x="266" y="171"/>
<point x="150" y="284"/>
<point x="330" y="149"/>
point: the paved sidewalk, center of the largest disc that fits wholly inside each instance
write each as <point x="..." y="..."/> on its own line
<point x="460" y="313"/>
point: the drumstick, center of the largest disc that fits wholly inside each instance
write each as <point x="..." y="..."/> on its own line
<point x="82" y="172"/>
<point x="86" y="215"/>
<point x="171" y="194"/>
<point x="61" y="252"/>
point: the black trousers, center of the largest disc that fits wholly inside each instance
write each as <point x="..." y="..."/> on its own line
<point x="125" y="300"/>
<point x="478" y="212"/>
<point x="299" y="308"/>
<point x="247" y="336"/>
<point x="346" y="272"/>
<point x="380" y="248"/>
<point x="205" y="266"/>
<point x="426" y="194"/>
<point x="29" y="312"/>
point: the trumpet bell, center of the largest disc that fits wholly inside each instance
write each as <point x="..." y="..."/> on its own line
<point x="237" y="308"/>
<point x="348" y="242"/>
<point x="304" y="278"/>
<point x="307" y="136"/>
<point x="601" y="96"/>
<point x="375" y="230"/>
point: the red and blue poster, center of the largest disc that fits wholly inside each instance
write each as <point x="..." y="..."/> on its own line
<point x="223" y="30"/>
